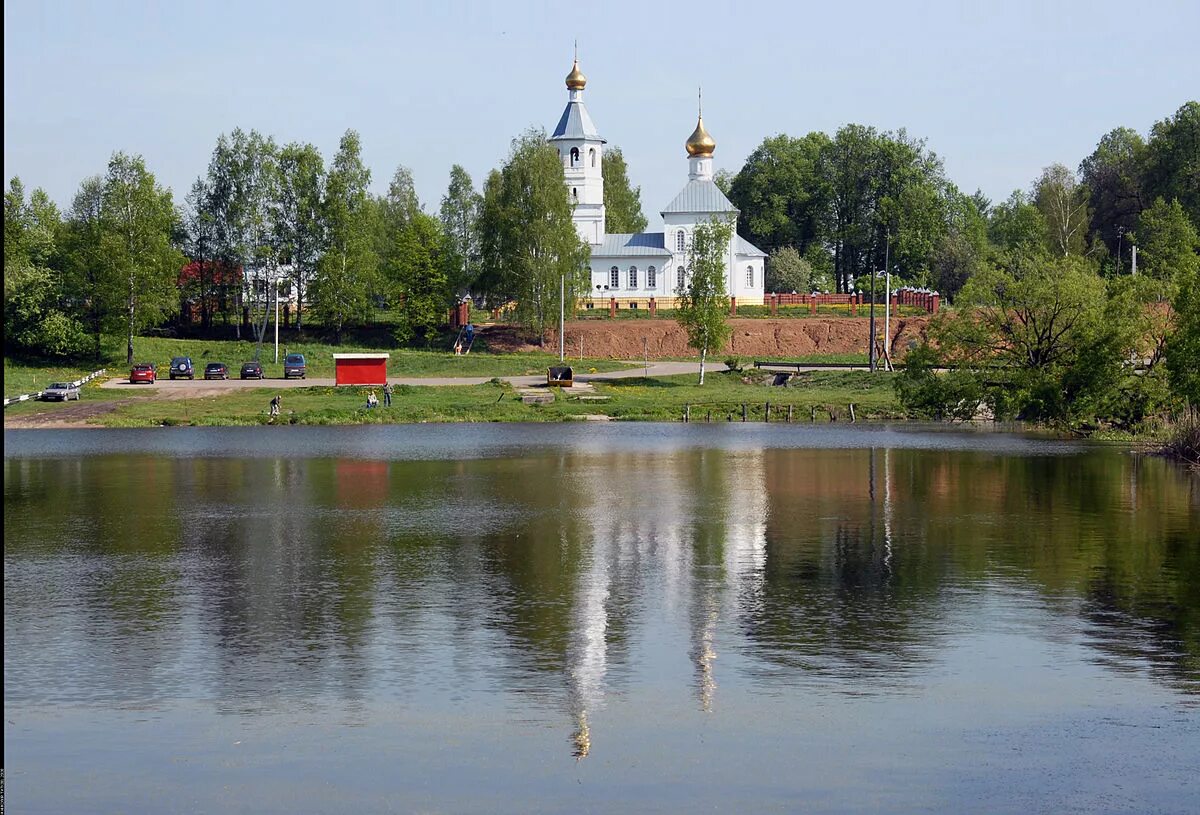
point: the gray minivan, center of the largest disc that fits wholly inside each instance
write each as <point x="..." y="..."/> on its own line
<point x="293" y="365"/>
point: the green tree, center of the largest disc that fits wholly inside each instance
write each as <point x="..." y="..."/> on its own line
<point x="86" y="262"/>
<point x="1063" y="203"/>
<point x="963" y="249"/>
<point x="622" y="201"/>
<point x="702" y="307"/>
<point x="1112" y="175"/>
<point x="1167" y="242"/>
<point x="1052" y="341"/>
<point x="537" y="247"/>
<point x="1183" y="346"/>
<point x="347" y="268"/>
<point x="787" y="271"/>
<point x="460" y="216"/>
<point x="1172" y="162"/>
<point x="416" y="265"/>
<point x="139" y="221"/>
<point x="782" y="194"/>
<point x="299" y="225"/>
<point x="1017" y="231"/>
<point x="38" y="317"/>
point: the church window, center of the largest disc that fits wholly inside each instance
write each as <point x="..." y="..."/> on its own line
<point x="592" y="155"/>
<point x="679" y="241"/>
<point x="574" y="156"/>
<point x="633" y="277"/>
<point x="750" y="276"/>
<point x="651" y="278"/>
<point x="679" y="277"/>
<point x="614" y="278"/>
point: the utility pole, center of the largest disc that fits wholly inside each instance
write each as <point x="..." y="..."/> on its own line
<point x="562" y="312"/>
<point x="276" y="326"/>
<point x="887" y="303"/>
<point x="1135" y="260"/>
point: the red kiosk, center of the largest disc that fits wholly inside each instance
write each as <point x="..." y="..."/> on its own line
<point x="360" y="369"/>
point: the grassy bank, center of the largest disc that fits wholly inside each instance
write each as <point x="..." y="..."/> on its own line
<point x="641" y="399"/>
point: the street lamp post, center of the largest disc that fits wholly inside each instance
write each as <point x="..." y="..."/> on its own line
<point x="1120" y="237"/>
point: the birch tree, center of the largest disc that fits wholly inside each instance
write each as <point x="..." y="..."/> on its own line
<point x="702" y="307"/>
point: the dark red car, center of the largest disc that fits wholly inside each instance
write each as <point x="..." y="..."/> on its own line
<point x="216" y="370"/>
<point x="143" y="372"/>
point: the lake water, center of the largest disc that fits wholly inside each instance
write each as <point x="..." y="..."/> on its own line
<point x="599" y="618"/>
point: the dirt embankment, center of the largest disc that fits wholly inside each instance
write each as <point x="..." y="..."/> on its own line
<point x="623" y="339"/>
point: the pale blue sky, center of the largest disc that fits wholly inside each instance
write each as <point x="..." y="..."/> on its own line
<point x="999" y="90"/>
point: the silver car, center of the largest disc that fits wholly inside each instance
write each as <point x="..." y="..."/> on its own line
<point x="60" y="392"/>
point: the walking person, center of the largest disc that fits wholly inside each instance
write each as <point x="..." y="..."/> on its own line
<point x="387" y="394"/>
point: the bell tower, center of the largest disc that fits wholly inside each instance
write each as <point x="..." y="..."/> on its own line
<point x="581" y="151"/>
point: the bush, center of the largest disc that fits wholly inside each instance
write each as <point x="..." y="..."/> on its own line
<point x="955" y="395"/>
<point x="733" y="363"/>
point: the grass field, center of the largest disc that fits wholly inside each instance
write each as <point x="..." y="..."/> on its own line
<point x="639" y="399"/>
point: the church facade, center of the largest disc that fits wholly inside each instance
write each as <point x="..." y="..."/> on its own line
<point x="634" y="268"/>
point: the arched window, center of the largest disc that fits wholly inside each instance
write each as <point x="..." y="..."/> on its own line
<point x="679" y="278"/>
<point x="651" y="278"/>
<point x="592" y="155"/>
<point x="679" y="241"/>
<point x="750" y="276"/>
<point x="633" y="277"/>
<point x="574" y="156"/>
<point x="614" y="278"/>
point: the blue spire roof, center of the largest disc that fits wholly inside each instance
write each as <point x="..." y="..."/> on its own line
<point x="575" y="123"/>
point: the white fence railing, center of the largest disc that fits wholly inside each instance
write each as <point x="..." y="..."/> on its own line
<point x="78" y="383"/>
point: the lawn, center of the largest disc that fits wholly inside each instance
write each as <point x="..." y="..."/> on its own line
<point x="642" y="399"/>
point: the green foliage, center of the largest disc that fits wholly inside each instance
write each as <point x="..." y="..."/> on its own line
<point x="788" y="272"/>
<point x="962" y="251"/>
<point x="956" y="395"/>
<point x="299" y="227"/>
<point x="781" y="194"/>
<point x="37" y="312"/>
<point x="1168" y="245"/>
<point x="622" y="201"/>
<point x="1183" y="346"/>
<point x="1063" y="203"/>
<point x="529" y="242"/>
<point x="1050" y="344"/>
<point x="702" y="307"/>
<point x="415" y="265"/>
<point x="460" y="224"/>
<point x="1172" y="161"/>
<point x="138" y="221"/>
<point x="1113" y="177"/>
<point x="347" y="269"/>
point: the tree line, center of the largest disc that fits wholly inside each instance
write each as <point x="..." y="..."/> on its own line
<point x="830" y="210"/>
<point x="265" y="219"/>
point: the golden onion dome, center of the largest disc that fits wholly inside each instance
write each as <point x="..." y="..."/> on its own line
<point x="700" y="143"/>
<point x="576" y="81"/>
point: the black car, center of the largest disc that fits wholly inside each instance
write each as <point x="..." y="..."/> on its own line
<point x="293" y="365"/>
<point x="251" y="370"/>
<point x="182" y="367"/>
<point x="216" y="370"/>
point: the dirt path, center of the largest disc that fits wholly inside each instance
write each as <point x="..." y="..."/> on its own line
<point x="69" y="415"/>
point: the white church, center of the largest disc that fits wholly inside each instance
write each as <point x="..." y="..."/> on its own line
<point x="633" y="268"/>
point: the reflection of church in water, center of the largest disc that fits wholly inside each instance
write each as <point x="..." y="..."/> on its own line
<point x="633" y="268"/>
<point x="706" y="564"/>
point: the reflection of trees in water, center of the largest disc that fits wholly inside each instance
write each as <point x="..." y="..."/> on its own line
<point x="837" y="597"/>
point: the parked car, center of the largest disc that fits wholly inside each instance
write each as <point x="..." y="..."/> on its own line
<point x="60" y="392"/>
<point x="216" y="370"/>
<point x="293" y="365"/>
<point x="251" y="370"/>
<point x="182" y="367"/>
<point x="143" y="372"/>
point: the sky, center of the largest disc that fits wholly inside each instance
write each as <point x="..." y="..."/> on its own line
<point x="998" y="90"/>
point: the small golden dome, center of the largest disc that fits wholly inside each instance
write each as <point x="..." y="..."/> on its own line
<point x="576" y="81"/>
<point x="700" y="143"/>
